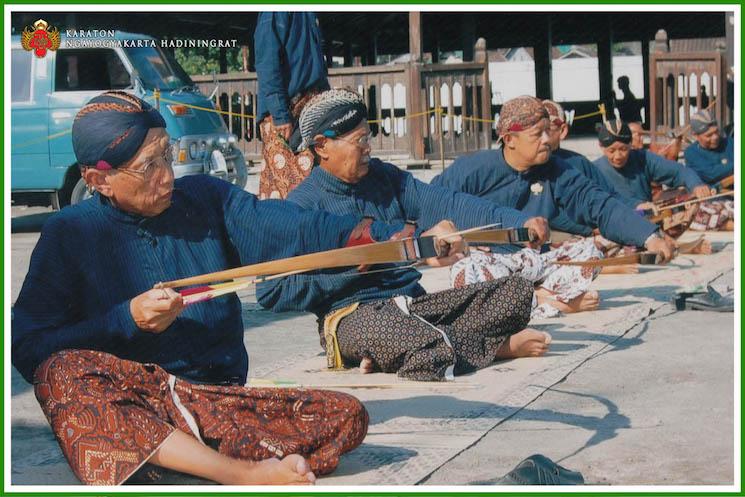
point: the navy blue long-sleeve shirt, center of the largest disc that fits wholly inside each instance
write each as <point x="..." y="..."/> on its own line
<point x="633" y="181"/>
<point x="289" y="61"/>
<point x="583" y="165"/>
<point x="93" y="258"/>
<point x="386" y="194"/>
<point x="712" y="165"/>
<point x="546" y="190"/>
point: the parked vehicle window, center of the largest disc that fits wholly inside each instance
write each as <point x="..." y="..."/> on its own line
<point x="90" y="69"/>
<point x="21" y="76"/>
<point x="158" y="69"/>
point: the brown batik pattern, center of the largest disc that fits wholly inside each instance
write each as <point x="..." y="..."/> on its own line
<point x="476" y="320"/>
<point x="283" y="169"/>
<point x="109" y="415"/>
<point x="713" y="215"/>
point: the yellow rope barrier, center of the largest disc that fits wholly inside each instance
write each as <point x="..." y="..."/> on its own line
<point x="44" y="139"/>
<point x="439" y="111"/>
<point x="584" y="116"/>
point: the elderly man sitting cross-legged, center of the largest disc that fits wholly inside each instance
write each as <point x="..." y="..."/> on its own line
<point x="384" y="320"/>
<point x="126" y="374"/>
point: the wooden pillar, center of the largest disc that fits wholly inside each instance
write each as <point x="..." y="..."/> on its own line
<point x="484" y="129"/>
<point x="348" y="53"/>
<point x="372" y="50"/>
<point x="605" y="61"/>
<point x="647" y="88"/>
<point x="251" y="54"/>
<point x="416" y="103"/>
<point x="467" y="35"/>
<point x="329" y="53"/>
<point x="223" y="60"/>
<point x="415" y="36"/>
<point x="542" y="51"/>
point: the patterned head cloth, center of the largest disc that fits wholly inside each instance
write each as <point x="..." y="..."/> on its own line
<point x="110" y="128"/>
<point x="331" y="113"/>
<point x="613" y="131"/>
<point x="555" y="112"/>
<point x="701" y="121"/>
<point x="519" y="114"/>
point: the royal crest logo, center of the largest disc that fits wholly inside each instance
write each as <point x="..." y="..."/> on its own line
<point x="41" y="38"/>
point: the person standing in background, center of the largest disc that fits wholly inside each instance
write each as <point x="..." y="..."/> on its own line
<point x="291" y="68"/>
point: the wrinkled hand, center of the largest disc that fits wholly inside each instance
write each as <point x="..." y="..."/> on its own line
<point x="155" y="310"/>
<point x="284" y="130"/>
<point x="664" y="247"/>
<point x="703" y="191"/>
<point x="538" y="227"/>
<point x="453" y="248"/>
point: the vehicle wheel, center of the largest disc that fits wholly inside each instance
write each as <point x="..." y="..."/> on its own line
<point x="79" y="192"/>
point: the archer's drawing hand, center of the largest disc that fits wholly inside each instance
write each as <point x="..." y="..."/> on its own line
<point x="452" y="248"/>
<point x="538" y="227"/>
<point x="702" y="191"/>
<point x="155" y="310"/>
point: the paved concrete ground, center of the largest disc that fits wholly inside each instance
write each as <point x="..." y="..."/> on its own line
<point x="655" y="407"/>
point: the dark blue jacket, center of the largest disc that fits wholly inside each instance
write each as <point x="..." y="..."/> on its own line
<point x="583" y="165"/>
<point x="712" y="165"/>
<point x="289" y="60"/>
<point x="386" y="194"/>
<point x="546" y="190"/>
<point x="92" y="258"/>
<point x="633" y="181"/>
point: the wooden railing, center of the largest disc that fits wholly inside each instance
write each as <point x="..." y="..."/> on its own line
<point x="675" y="82"/>
<point x="403" y="102"/>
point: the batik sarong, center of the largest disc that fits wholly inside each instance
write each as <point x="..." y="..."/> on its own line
<point x="283" y="168"/>
<point x="564" y="282"/>
<point x="110" y="415"/>
<point x="437" y="335"/>
<point x="713" y="215"/>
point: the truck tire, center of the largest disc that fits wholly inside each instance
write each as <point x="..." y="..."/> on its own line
<point x="79" y="192"/>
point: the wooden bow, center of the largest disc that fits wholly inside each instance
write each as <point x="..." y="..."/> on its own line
<point x="404" y="250"/>
<point x="648" y="258"/>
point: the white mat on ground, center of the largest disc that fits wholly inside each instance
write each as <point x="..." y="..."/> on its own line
<point x="415" y="430"/>
<point x="417" y="427"/>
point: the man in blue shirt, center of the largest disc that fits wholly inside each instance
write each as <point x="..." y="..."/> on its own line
<point x="631" y="172"/>
<point x="523" y="174"/>
<point x="557" y="132"/>
<point x="290" y="67"/>
<point x="385" y="320"/>
<point x="712" y="156"/>
<point x="125" y="373"/>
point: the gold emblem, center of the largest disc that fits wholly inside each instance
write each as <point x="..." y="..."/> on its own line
<point x="41" y="38"/>
<point x="536" y="188"/>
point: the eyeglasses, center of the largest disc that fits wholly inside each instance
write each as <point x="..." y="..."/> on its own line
<point x="147" y="171"/>
<point x="362" y="142"/>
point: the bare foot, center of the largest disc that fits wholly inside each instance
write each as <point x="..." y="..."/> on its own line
<point x="527" y="343"/>
<point x="366" y="365"/>
<point x="622" y="269"/>
<point x="588" y="301"/>
<point x="292" y="470"/>
<point x="702" y="246"/>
